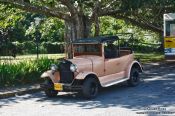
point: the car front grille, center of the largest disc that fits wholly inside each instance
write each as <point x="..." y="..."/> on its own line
<point x="66" y="76"/>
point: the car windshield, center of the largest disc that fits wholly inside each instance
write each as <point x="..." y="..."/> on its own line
<point x="87" y="49"/>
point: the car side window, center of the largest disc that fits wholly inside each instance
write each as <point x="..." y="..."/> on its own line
<point x="110" y="51"/>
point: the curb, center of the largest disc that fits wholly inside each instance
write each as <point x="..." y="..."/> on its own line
<point x="23" y="91"/>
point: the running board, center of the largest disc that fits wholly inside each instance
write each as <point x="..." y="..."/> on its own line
<point x="115" y="82"/>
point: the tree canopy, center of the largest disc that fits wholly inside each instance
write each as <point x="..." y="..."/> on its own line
<point x="146" y="14"/>
<point x="80" y="16"/>
<point x="20" y="25"/>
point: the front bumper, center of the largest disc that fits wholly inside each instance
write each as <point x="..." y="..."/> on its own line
<point x="65" y="87"/>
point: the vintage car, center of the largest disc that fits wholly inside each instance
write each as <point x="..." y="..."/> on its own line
<point x="97" y="62"/>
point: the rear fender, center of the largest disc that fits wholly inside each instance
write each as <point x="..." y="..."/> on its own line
<point x="133" y="64"/>
<point x="54" y="76"/>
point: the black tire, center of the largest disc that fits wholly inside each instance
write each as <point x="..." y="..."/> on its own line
<point x="134" y="79"/>
<point x="50" y="92"/>
<point x="90" y="88"/>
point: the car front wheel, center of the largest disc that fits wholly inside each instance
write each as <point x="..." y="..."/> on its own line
<point x="134" y="79"/>
<point x="90" y="88"/>
<point x="50" y="92"/>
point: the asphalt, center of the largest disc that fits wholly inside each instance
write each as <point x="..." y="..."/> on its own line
<point x="33" y="88"/>
<point x="154" y="96"/>
<point x="19" y="90"/>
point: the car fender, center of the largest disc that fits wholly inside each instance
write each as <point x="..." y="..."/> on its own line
<point x="134" y="63"/>
<point x="55" y="77"/>
<point x="83" y="75"/>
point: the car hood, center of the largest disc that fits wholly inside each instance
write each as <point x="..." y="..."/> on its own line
<point x="83" y="64"/>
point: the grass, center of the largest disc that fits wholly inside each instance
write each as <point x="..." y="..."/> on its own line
<point x="149" y="57"/>
<point x="33" y="56"/>
<point x="144" y="57"/>
<point x="49" y="56"/>
<point x="19" y="58"/>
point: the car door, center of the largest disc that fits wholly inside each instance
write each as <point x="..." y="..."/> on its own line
<point x="116" y="65"/>
<point x="112" y="66"/>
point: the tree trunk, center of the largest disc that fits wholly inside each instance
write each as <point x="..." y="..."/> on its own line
<point x="76" y="29"/>
<point x="97" y="26"/>
<point x="161" y="48"/>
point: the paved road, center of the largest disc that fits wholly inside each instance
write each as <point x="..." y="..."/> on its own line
<point x="156" y="94"/>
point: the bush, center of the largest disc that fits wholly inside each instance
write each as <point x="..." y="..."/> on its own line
<point x="23" y="72"/>
<point x="54" y="47"/>
<point x="146" y="48"/>
<point x="29" y="47"/>
<point x="44" y="47"/>
<point x="6" y="49"/>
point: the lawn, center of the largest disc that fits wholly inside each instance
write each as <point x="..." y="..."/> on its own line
<point x="33" y="56"/>
<point x="149" y="57"/>
<point x="143" y="57"/>
<point x="10" y="59"/>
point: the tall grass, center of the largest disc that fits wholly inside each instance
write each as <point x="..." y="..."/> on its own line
<point x="23" y="72"/>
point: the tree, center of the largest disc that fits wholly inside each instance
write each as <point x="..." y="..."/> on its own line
<point x="79" y="15"/>
<point x="51" y="29"/>
<point x="21" y="23"/>
<point x="147" y="14"/>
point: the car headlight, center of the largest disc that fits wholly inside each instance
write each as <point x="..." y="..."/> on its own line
<point x="54" y="67"/>
<point x="73" y="67"/>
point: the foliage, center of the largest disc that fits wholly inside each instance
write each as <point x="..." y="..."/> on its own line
<point x="149" y="57"/>
<point x="53" y="47"/>
<point x="111" y="25"/>
<point x="21" y="25"/>
<point x="13" y="21"/>
<point x="143" y="13"/>
<point x="18" y="32"/>
<point x="23" y="72"/>
<point x="51" y="29"/>
<point x="80" y="15"/>
<point x="29" y="47"/>
<point x="143" y="40"/>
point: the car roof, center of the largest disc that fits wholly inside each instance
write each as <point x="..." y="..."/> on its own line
<point x="96" y="40"/>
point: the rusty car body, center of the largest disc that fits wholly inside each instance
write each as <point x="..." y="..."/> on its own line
<point x="97" y="62"/>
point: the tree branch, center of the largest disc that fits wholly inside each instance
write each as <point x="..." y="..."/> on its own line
<point x="95" y="11"/>
<point x="109" y="12"/>
<point x="140" y="24"/>
<point x="36" y="9"/>
<point x="70" y="6"/>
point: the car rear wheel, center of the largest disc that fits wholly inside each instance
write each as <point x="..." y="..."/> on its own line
<point x="50" y="92"/>
<point x="134" y="79"/>
<point x="90" y="88"/>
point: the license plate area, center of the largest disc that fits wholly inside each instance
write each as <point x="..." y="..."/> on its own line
<point x="58" y="86"/>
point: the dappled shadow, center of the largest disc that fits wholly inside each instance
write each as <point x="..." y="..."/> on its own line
<point x="157" y="88"/>
<point x="7" y="102"/>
